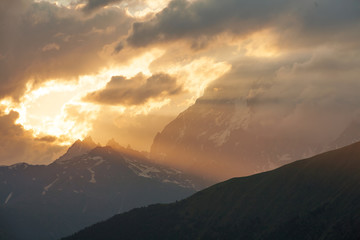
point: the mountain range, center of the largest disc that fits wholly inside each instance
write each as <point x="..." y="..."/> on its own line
<point x="213" y="139"/>
<point x="220" y="138"/>
<point x="314" y="198"/>
<point x="86" y="185"/>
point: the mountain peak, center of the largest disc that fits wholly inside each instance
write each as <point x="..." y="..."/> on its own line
<point x="89" y="141"/>
<point x="112" y="143"/>
<point x="126" y="150"/>
<point x="78" y="148"/>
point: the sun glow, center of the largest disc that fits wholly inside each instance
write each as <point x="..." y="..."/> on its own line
<point x="148" y="7"/>
<point x="56" y="108"/>
<point x="261" y="44"/>
<point x="197" y="74"/>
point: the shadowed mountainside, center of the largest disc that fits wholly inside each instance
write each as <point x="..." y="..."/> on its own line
<point x="315" y="198"/>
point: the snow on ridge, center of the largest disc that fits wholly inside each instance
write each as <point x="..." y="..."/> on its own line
<point x="221" y="137"/>
<point x="165" y="175"/>
<point x="143" y="170"/>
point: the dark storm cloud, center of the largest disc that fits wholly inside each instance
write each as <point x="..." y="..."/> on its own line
<point x="46" y="139"/>
<point x="92" y="5"/>
<point x="135" y="91"/>
<point x="42" y="41"/>
<point x="18" y="144"/>
<point x="201" y="20"/>
<point x="204" y="19"/>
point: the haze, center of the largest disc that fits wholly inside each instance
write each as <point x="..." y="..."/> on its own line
<point x="124" y="69"/>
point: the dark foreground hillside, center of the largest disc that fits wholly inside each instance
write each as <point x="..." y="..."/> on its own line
<point x="315" y="198"/>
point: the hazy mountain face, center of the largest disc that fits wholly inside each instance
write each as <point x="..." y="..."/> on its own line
<point x="315" y="198"/>
<point x="226" y="137"/>
<point x="82" y="187"/>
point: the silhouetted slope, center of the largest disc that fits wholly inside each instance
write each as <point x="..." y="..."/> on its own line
<point x="315" y="198"/>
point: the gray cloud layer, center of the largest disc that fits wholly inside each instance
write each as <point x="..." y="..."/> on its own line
<point x="310" y="98"/>
<point x="202" y="20"/>
<point x="92" y="5"/>
<point x="40" y="41"/>
<point x="135" y="91"/>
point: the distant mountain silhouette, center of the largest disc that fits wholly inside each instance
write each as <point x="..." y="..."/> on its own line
<point x="86" y="185"/>
<point x="315" y="198"/>
<point x="78" y="148"/>
<point x="223" y="138"/>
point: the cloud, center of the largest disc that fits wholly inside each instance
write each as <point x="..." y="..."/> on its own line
<point x="302" y="98"/>
<point x="42" y="41"/>
<point x="19" y="145"/>
<point x="296" y="22"/>
<point x="135" y="91"/>
<point x="92" y="5"/>
<point x="46" y="139"/>
<point x="137" y="130"/>
<point x="51" y="46"/>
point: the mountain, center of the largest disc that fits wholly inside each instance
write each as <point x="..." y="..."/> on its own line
<point x="315" y="198"/>
<point x="81" y="188"/>
<point x="350" y="134"/>
<point x="78" y="148"/>
<point x="222" y="138"/>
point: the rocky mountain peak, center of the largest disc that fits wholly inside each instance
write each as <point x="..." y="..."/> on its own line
<point x="79" y="147"/>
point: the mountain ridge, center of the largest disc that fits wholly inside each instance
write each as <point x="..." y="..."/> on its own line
<point x="51" y="201"/>
<point x="78" y="148"/>
<point x="314" y="198"/>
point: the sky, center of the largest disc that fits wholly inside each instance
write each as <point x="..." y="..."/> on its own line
<point x="123" y="69"/>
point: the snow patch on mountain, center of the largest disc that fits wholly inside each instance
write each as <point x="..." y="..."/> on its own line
<point x="92" y="172"/>
<point x="220" y="138"/>
<point x="165" y="175"/>
<point x="239" y="119"/>
<point x="8" y="198"/>
<point x="92" y="180"/>
<point x="46" y="188"/>
<point x="142" y="170"/>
